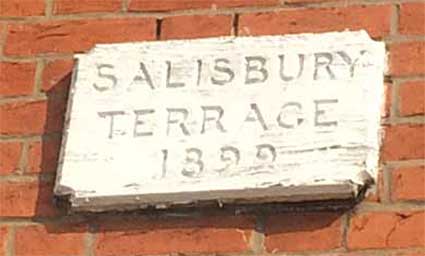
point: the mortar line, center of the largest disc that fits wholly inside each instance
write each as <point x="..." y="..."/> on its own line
<point x="391" y="207"/>
<point x="40" y="63"/>
<point x="395" y="11"/>
<point x="10" y="246"/>
<point x="393" y="39"/>
<point x="23" y="138"/>
<point x="35" y="57"/>
<point x="23" y="162"/>
<point x="24" y="98"/>
<point x="363" y="252"/>
<point x="417" y="119"/>
<point x="345" y="225"/>
<point x="48" y="11"/>
<point x="258" y="236"/>
<point x="402" y="79"/>
<point x="405" y="163"/>
<point x="59" y="56"/>
<point x="394" y="100"/>
<point x="89" y="243"/>
<point x="125" y="5"/>
<point x="211" y="11"/>
<point x="386" y="176"/>
<point x="27" y="177"/>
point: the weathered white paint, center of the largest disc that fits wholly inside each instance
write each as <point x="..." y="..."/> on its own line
<point x="336" y="140"/>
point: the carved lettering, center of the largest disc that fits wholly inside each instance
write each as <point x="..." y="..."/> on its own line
<point x="256" y="71"/>
<point x="222" y="66"/>
<point x="102" y="72"/>
<point x="177" y="116"/>
<point x="321" y="112"/>
<point x="143" y="77"/>
<point x="218" y="111"/>
<point x="112" y="115"/>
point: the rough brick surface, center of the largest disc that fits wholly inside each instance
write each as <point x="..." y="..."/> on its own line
<point x="10" y="155"/>
<point x="303" y="232"/>
<point x="26" y="199"/>
<point x="206" y="235"/>
<point x="23" y="117"/>
<point x="387" y="230"/>
<point x="408" y="183"/>
<point x="407" y="58"/>
<point x="32" y="117"/>
<point x="412" y="98"/>
<point x="57" y="75"/>
<point x="16" y="78"/>
<point x="403" y="142"/>
<point x="375" y="19"/>
<point x="31" y="123"/>
<point x="412" y="19"/>
<point x="40" y="240"/>
<point x="79" y="6"/>
<point x="21" y="7"/>
<point x="170" y="5"/>
<point x="3" y="240"/>
<point x="43" y="156"/>
<point x="200" y="26"/>
<point x="75" y="35"/>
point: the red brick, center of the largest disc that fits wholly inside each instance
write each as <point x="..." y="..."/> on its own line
<point x="25" y="199"/>
<point x="49" y="240"/>
<point x="172" y="5"/>
<point x="23" y="117"/>
<point x="21" y="7"/>
<point x="3" y="240"/>
<point x="403" y="142"/>
<point x="374" y="19"/>
<point x="10" y="154"/>
<point x="386" y="230"/>
<point x="43" y="156"/>
<point x="412" y="98"/>
<point x="407" y="58"/>
<point x="303" y="232"/>
<point x="78" y="6"/>
<point x="16" y="78"/>
<point x="32" y="117"/>
<point x="412" y="19"/>
<point x="200" y="26"/>
<point x="408" y="183"/>
<point x="57" y="75"/>
<point x="206" y="235"/>
<point x="75" y="35"/>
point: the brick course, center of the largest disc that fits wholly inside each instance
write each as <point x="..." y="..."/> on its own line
<point x="37" y="41"/>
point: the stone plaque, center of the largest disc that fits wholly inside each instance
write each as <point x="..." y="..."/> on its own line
<point x="270" y="118"/>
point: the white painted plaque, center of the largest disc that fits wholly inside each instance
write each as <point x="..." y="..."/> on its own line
<point x="223" y="119"/>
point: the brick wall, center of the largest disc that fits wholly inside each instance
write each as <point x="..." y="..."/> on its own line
<point x="37" y="42"/>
